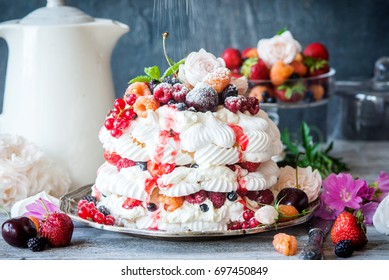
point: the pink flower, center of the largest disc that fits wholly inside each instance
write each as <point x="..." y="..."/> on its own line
<point x="325" y="212"/>
<point x="383" y="185"/>
<point x="368" y="211"/>
<point x="341" y="191"/>
<point x="366" y="192"/>
<point x="37" y="209"/>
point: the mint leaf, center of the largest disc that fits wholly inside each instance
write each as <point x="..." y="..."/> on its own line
<point x="144" y="79"/>
<point x="153" y="72"/>
<point x="173" y="69"/>
<point x="282" y="31"/>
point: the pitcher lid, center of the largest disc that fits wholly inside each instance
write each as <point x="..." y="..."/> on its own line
<point x="56" y="13"/>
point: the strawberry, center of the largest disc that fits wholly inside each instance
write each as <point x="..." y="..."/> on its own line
<point x="130" y="203"/>
<point x="316" y="50"/>
<point x="232" y="57"/>
<point x="255" y="69"/>
<point x="250" y="166"/>
<point x="57" y="228"/>
<point x="290" y="93"/>
<point x="317" y="68"/>
<point x="250" y="53"/>
<point x="124" y="163"/>
<point x="349" y="227"/>
<point x="157" y="170"/>
<point x="111" y="158"/>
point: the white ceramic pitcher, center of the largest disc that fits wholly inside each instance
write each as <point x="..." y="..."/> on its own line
<point x="58" y="85"/>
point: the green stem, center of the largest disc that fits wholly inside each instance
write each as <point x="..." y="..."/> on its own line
<point x="44" y="206"/>
<point x="164" y="37"/>
<point x="5" y="211"/>
<point x="297" y="166"/>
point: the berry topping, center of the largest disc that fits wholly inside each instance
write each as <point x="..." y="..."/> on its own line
<point x="130" y="203"/>
<point x="171" y="80"/>
<point x="145" y="103"/>
<point x="151" y="207"/>
<point x="90" y="198"/>
<point x="130" y="99"/>
<point x="235" y="103"/>
<point x="109" y="220"/>
<point x="247" y="215"/>
<point x="204" y="207"/>
<point x="37" y="244"/>
<point x="253" y="222"/>
<point x="203" y="98"/>
<point x="217" y="199"/>
<point x="179" y="93"/>
<point x="115" y="132"/>
<point x="219" y="79"/>
<point x="250" y="166"/>
<point x="265" y="197"/>
<point x="232" y="58"/>
<point x="196" y="198"/>
<point x="163" y="92"/>
<point x="99" y="217"/>
<point x="232" y="196"/>
<point x="153" y="84"/>
<point x="181" y="106"/>
<point x="285" y="244"/>
<point x="111" y="158"/>
<point x="119" y="104"/>
<point x="344" y="248"/>
<point x="109" y="123"/>
<point x="234" y="225"/>
<point x="317" y="51"/>
<point x="124" y="163"/>
<point x="137" y="88"/>
<point x="129" y="114"/>
<point x="104" y="210"/>
<point x="252" y="105"/>
<point x="230" y="90"/>
<point x="57" y="229"/>
<point x="245" y="225"/>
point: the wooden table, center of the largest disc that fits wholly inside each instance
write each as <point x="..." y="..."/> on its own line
<point x="366" y="160"/>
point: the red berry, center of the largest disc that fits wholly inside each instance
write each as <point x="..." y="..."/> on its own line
<point x="253" y="222"/>
<point x="232" y="57"/>
<point x="217" y="199"/>
<point x="98" y="217"/>
<point x="119" y="104"/>
<point x="250" y="166"/>
<point x="179" y="93"/>
<point x="253" y="105"/>
<point x="129" y="114"/>
<point x="316" y="50"/>
<point x="109" y="220"/>
<point x="124" y="163"/>
<point x="234" y="225"/>
<point x="120" y="123"/>
<point x="130" y="100"/>
<point x="235" y="103"/>
<point x="130" y="203"/>
<point x="109" y="123"/>
<point x="265" y="197"/>
<point x="245" y="225"/>
<point x="116" y="132"/>
<point x="197" y="197"/>
<point x="242" y="191"/>
<point x="163" y="92"/>
<point x="83" y="212"/>
<point x="81" y="203"/>
<point x="247" y="215"/>
<point x="259" y="71"/>
<point x="111" y="158"/>
<point x="203" y="98"/>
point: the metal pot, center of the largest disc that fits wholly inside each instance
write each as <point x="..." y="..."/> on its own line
<point x="364" y="105"/>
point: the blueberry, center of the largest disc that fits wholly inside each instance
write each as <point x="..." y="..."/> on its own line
<point x="192" y="109"/>
<point x="181" y="106"/>
<point x="308" y="97"/>
<point x="153" y="84"/>
<point x="171" y="80"/>
<point x="104" y="210"/>
<point x="194" y="165"/>
<point x="232" y="196"/>
<point x="171" y="102"/>
<point x="230" y="90"/>
<point x="142" y="165"/>
<point x="151" y="207"/>
<point x="90" y="198"/>
<point x="271" y="99"/>
<point x="204" y="207"/>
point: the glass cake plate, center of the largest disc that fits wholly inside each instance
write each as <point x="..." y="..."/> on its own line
<point x="68" y="204"/>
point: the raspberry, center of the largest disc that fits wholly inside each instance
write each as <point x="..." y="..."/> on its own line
<point x="250" y="166"/>
<point x="179" y="92"/>
<point x="242" y="191"/>
<point x="253" y="105"/>
<point x="217" y="199"/>
<point x="344" y="248"/>
<point x="235" y="103"/>
<point x="163" y="92"/>
<point x="124" y="163"/>
<point x="145" y="103"/>
<point x="130" y="203"/>
<point x="218" y="79"/>
<point x="137" y="88"/>
<point x="111" y="158"/>
<point x="252" y="195"/>
<point x="230" y="90"/>
<point x="285" y="244"/>
<point x="196" y="198"/>
<point x="203" y="98"/>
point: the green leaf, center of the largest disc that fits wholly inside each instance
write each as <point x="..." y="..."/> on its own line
<point x="246" y="67"/>
<point x="153" y="72"/>
<point x="279" y="32"/>
<point x="173" y="69"/>
<point x="144" y="79"/>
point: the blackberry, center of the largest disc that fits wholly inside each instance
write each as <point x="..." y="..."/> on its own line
<point x="230" y="90"/>
<point x="232" y="196"/>
<point x="104" y="210"/>
<point x="151" y="207"/>
<point x="171" y="80"/>
<point x="153" y="84"/>
<point x="204" y="207"/>
<point x="181" y="106"/>
<point x="344" y="248"/>
<point x="142" y="165"/>
<point x="171" y="102"/>
<point x="37" y="244"/>
<point x="90" y="198"/>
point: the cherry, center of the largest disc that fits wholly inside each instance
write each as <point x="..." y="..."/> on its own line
<point x="245" y="225"/>
<point x="265" y="197"/>
<point x="109" y="220"/>
<point x="293" y="196"/>
<point x="17" y="231"/>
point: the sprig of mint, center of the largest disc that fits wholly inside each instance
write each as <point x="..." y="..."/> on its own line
<point x="314" y="154"/>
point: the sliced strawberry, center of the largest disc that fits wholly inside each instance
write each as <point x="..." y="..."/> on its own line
<point x="157" y="170"/>
<point x="250" y="166"/>
<point x="130" y="203"/>
<point x="111" y="158"/>
<point x="124" y="163"/>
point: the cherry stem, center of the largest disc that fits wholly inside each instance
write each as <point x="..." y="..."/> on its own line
<point x="297" y="166"/>
<point x="164" y="37"/>
<point x="44" y="206"/>
<point x="6" y="212"/>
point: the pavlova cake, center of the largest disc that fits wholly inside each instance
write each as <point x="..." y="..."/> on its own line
<point x="186" y="150"/>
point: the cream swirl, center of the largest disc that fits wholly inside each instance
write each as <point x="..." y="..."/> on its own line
<point x="114" y="205"/>
<point x="215" y="155"/>
<point x="263" y="178"/>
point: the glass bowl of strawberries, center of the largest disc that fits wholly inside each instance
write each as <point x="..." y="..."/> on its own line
<point x="282" y="74"/>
